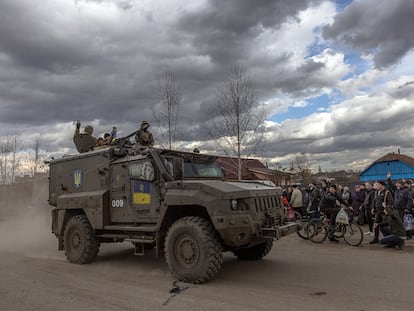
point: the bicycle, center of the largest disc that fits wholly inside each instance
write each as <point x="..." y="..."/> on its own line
<point x="318" y="229"/>
<point x="301" y="221"/>
<point x="294" y="216"/>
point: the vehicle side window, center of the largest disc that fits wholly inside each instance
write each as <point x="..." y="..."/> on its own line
<point x="142" y="170"/>
<point x="169" y="165"/>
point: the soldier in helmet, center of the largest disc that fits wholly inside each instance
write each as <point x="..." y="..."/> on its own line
<point x="84" y="142"/>
<point x="144" y="136"/>
<point x="88" y="129"/>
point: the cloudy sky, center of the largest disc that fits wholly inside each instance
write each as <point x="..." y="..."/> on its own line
<point x="336" y="77"/>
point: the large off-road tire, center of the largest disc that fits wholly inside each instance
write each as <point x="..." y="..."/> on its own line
<point x="254" y="253"/>
<point x="79" y="241"/>
<point x="192" y="250"/>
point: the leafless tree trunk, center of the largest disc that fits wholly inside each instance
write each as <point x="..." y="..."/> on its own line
<point x="300" y="166"/>
<point x="238" y="116"/>
<point x="166" y="110"/>
<point x="9" y="157"/>
<point x="5" y="149"/>
<point x="36" y="156"/>
<point x="10" y="162"/>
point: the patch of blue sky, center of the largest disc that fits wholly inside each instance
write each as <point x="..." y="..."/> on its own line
<point x="359" y="65"/>
<point x="314" y="105"/>
<point x="342" y="4"/>
<point x="317" y="46"/>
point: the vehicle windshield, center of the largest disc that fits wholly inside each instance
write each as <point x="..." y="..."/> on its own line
<point x="201" y="170"/>
<point x="196" y="168"/>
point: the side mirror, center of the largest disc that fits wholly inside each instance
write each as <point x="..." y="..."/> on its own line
<point x="178" y="168"/>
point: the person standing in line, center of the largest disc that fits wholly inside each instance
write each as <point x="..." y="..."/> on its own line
<point x="367" y="207"/>
<point x="313" y="200"/>
<point x="383" y="198"/>
<point x="296" y="200"/>
<point x="358" y="198"/>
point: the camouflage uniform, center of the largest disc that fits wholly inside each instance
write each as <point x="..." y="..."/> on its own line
<point x="144" y="136"/>
<point x="84" y="142"/>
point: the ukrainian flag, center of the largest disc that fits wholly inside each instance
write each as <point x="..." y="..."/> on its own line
<point x="142" y="192"/>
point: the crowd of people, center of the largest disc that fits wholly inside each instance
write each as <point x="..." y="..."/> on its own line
<point x="386" y="208"/>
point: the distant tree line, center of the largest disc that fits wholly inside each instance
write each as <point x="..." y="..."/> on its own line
<point x="18" y="159"/>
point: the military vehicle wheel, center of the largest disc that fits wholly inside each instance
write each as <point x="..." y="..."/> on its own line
<point x="79" y="240"/>
<point x="254" y="253"/>
<point x="192" y="250"/>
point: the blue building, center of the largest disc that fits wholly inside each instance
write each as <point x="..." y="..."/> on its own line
<point x="399" y="165"/>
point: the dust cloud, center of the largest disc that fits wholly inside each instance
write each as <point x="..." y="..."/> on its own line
<point x="25" y="229"/>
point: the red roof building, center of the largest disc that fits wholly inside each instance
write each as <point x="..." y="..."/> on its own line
<point x="252" y="169"/>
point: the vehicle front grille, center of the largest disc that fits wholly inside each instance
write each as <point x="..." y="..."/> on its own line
<point x="271" y="208"/>
<point x="265" y="203"/>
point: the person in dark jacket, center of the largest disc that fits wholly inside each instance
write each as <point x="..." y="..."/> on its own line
<point x="383" y="198"/>
<point x="402" y="195"/>
<point x="368" y="206"/>
<point x="402" y="199"/>
<point x="313" y="204"/>
<point x="330" y="205"/>
<point x="358" y="198"/>
<point x="392" y="229"/>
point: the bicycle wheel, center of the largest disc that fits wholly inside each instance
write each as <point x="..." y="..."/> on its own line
<point x="352" y="234"/>
<point x="317" y="231"/>
<point x="338" y="231"/>
<point x="302" y="224"/>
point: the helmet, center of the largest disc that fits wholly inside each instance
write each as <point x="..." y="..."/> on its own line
<point x="144" y="125"/>
<point x="89" y="129"/>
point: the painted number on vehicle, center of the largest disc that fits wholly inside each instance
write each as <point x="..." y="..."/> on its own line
<point x="117" y="203"/>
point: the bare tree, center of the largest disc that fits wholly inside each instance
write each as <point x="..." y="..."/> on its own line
<point x="15" y="160"/>
<point x="238" y="116"/>
<point x="36" y="155"/>
<point x="5" y="149"/>
<point x="9" y="163"/>
<point x="166" y="110"/>
<point x="9" y="159"/>
<point x="301" y="167"/>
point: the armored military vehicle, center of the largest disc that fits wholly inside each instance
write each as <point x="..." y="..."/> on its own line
<point x="175" y="202"/>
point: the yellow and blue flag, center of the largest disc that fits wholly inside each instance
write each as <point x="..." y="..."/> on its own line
<point x="142" y="192"/>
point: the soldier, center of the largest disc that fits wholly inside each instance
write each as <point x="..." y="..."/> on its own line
<point x="88" y="129"/>
<point x="99" y="144"/>
<point x="84" y="142"/>
<point x="109" y="138"/>
<point x="144" y="136"/>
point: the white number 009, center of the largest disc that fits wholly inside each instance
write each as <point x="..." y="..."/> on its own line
<point x="117" y="203"/>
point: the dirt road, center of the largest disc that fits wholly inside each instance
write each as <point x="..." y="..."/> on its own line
<point x="296" y="275"/>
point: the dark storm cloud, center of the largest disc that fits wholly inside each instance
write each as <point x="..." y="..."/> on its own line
<point x="381" y="27"/>
<point x="299" y="82"/>
<point x="222" y="29"/>
<point x="32" y="42"/>
<point x="71" y="66"/>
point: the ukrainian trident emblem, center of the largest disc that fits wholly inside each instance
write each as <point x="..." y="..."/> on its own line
<point x="77" y="178"/>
